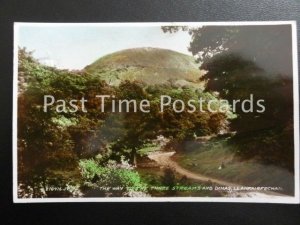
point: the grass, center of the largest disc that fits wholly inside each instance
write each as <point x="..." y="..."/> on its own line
<point x="148" y="65"/>
<point x="153" y="177"/>
<point x="146" y="150"/>
<point x="207" y="159"/>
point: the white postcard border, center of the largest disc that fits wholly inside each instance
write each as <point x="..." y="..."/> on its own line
<point x="272" y="199"/>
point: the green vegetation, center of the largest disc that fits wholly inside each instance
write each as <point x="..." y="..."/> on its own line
<point x="166" y="182"/>
<point x="97" y="153"/>
<point x="150" y="66"/>
<point x="110" y="178"/>
<point x="54" y="142"/>
<point x="148" y="148"/>
<point x="239" y="64"/>
<point x="217" y="159"/>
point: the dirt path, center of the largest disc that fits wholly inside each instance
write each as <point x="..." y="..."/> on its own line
<point x="164" y="159"/>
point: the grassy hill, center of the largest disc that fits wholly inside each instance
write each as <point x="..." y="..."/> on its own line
<point x="148" y="65"/>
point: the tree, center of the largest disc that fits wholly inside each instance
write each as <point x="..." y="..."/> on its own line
<point x="268" y="46"/>
<point x="245" y="60"/>
<point x="44" y="146"/>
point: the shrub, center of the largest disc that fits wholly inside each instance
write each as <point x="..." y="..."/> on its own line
<point x="111" y="178"/>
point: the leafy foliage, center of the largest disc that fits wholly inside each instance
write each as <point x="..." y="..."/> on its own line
<point x="110" y="175"/>
<point x="54" y="142"/>
<point x="238" y="64"/>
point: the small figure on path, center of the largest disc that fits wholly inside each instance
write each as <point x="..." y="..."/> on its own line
<point x="222" y="166"/>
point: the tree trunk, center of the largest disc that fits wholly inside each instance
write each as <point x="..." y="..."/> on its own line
<point x="133" y="157"/>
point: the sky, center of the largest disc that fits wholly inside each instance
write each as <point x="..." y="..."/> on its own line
<point x="74" y="47"/>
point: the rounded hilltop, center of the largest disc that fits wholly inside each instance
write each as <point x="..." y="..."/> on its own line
<point x="152" y="66"/>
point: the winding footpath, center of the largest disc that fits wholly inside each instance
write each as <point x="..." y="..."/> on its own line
<point x="164" y="159"/>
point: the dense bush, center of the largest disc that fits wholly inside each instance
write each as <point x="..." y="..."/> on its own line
<point x="117" y="179"/>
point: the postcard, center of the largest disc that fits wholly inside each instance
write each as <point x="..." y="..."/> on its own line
<point x="156" y="112"/>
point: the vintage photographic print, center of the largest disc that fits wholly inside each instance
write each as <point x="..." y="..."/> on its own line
<point x="156" y="112"/>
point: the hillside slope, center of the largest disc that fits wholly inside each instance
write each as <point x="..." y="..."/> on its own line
<point x="148" y="65"/>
